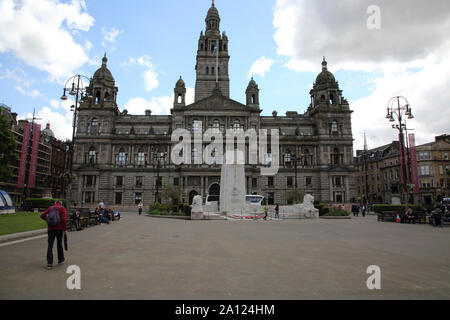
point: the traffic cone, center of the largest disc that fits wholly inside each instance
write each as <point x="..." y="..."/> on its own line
<point x="398" y="219"/>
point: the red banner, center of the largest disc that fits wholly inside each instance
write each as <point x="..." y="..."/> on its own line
<point x="23" y="156"/>
<point x="414" y="166"/>
<point x="34" y="156"/>
<point x="403" y="160"/>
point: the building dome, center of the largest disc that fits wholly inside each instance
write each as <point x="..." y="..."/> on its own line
<point x="48" y="132"/>
<point x="252" y="84"/>
<point x="325" y="78"/>
<point x="213" y="13"/>
<point x="180" y="83"/>
<point x="103" y="73"/>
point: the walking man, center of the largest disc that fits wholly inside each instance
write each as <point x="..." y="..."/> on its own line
<point x="56" y="217"/>
<point x="266" y="212"/>
<point x="140" y="208"/>
<point x="277" y="212"/>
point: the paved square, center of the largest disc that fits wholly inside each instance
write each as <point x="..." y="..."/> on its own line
<point x="149" y="258"/>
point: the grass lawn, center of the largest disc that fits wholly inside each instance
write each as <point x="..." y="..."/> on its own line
<point x="20" y="222"/>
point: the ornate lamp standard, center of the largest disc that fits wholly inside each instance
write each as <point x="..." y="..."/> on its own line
<point x="75" y="86"/>
<point x="398" y="107"/>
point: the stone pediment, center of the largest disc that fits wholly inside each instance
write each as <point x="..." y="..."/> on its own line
<point x="217" y="102"/>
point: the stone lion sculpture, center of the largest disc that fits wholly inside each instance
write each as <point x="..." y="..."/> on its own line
<point x="197" y="204"/>
<point x="307" y="208"/>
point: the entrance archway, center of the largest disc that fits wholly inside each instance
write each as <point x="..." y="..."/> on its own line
<point x="192" y="194"/>
<point x="214" y="190"/>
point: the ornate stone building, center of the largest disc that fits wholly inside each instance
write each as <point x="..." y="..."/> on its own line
<point x="123" y="159"/>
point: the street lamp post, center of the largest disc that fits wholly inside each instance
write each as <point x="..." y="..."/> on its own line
<point x="396" y="110"/>
<point x="79" y="91"/>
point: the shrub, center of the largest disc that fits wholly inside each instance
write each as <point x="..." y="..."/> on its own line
<point x="336" y="212"/>
<point x="378" y="208"/>
<point x="187" y="209"/>
<point x="323" y="208"/>
<point x="31" y="203"/>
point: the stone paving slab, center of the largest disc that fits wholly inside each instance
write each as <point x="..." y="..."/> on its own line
<point x="144" y="258"/>
<point x="22" y="235"/>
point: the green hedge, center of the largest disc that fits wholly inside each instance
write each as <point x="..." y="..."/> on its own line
<point x="379" y="208"/>
<point x="41" y="203"/>
<point x="335" y="212"/>
<point x="323" y="208"/>
<point x="165" y="209"/>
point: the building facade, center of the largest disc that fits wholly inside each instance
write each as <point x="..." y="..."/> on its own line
<point x="124" y="159"/>
<point x="378" y="173"/>
<point x="52" y="160"/>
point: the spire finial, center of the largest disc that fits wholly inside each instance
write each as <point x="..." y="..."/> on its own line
<point x="104" y="60"/>
<point x="324" y="63"/>
<point x="212" y="3"/>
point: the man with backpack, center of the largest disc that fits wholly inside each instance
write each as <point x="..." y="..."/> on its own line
<point x="55" y="217"/>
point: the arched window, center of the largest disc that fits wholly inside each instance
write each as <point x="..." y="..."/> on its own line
<point x="334" y="128"/>
<point x="106" y="96"/>
<point x="336" y="157"/>
<point x="216" y="124"/>
<point x="95" y="127"/>
<point x="253" y="98"/>
<point x="140" y="157"/>
<point x="122" y="157"/>
<point x="97" y="97"/>
<point x="196" y="124"/>
<point x="180" y="98"/>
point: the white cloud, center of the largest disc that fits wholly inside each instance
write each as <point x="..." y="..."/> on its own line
<point x="150" y="76"/>
<point x="158" y="105"/>
<point x="59" y="116"/>
<point x="308" y="30"/>
<point x="22" y="82"/>
<point x="39" y="32"/>
<point x="410" y="54"/>
<point x="261" y="66"/>
<point x="110" y="35"/>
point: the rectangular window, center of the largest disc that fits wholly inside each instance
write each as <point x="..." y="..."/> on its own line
<point x="290" y="182"/>
<point x="137" y="198"/>
<point x="89" y="197"/>
<point x="308" y="182"/>
<point x="176" y="181"/>
<point x="254" y="182"/>
<point x="119" y="181"/>
<point x="271" y="199"/>
<point x="118" y="198"/>
<point x="139" y="181"/>
<point x="90" y="181"/>
<point x="270" y="182"/>
<point x="339" y="197"/>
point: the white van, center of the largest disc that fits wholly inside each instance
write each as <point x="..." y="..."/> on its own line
<point x="255" y="199"/>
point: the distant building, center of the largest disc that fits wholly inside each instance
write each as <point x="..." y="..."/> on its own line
<point x="51" y="161"/>
<point x="379" y="174"/>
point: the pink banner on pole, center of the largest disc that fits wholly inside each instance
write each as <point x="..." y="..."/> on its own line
<point x="403" y="160"/>
<point x="34" y="156"/>
<point x="414" y="166"/>
<point x="23" y="156"/>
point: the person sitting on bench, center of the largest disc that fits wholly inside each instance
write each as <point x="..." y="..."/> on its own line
<point x="102" y="218"/>
<point x="437" y="218"/>
<point x="411" y="216"/>
<point x="76" y="220"/>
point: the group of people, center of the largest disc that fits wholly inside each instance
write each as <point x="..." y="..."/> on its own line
<point x="438" y="215"/>
<point x="356" y="209"/>
<point x="277" y="212"/>
<point x="105" y="215"/>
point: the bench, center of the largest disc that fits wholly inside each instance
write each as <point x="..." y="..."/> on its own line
<point x="387" y="216"/>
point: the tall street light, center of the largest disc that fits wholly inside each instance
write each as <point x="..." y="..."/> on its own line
<point x="75" y="86"/>
<point x="398" y="108"/>
<point x="159" y="158"/>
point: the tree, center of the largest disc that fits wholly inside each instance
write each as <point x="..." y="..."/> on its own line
<point x="295" y="196"/>
<point x="172" y="193"/>
<point x="8" y="154"/>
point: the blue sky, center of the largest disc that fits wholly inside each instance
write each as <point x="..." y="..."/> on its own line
<point x="149" y="44"/>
